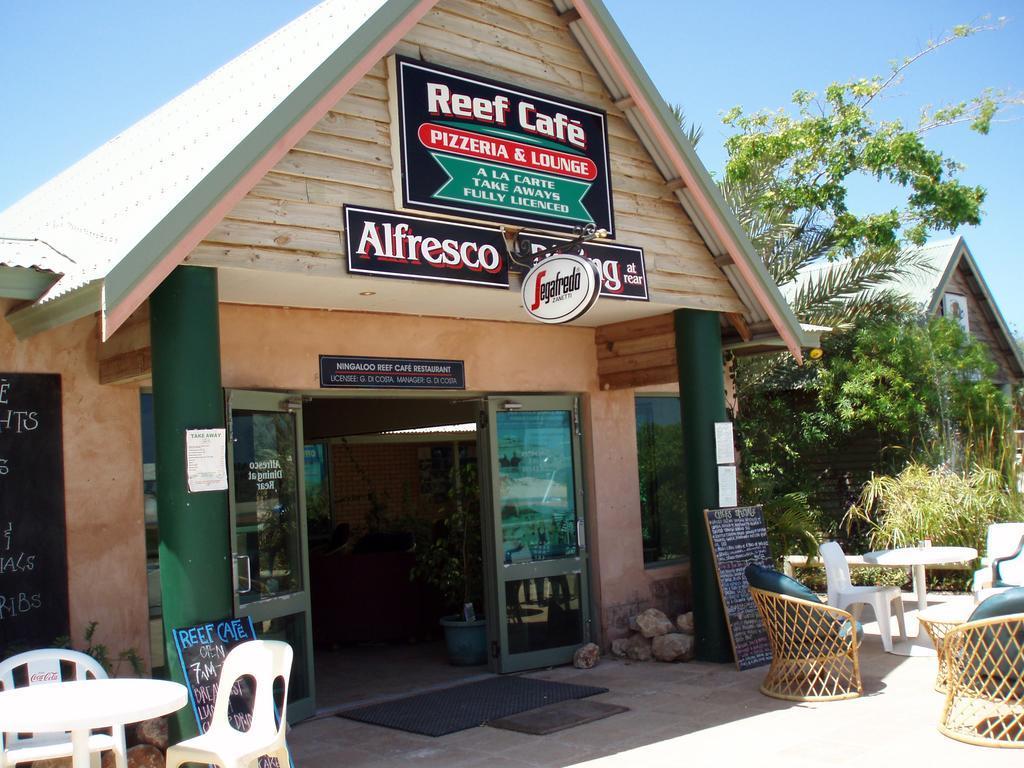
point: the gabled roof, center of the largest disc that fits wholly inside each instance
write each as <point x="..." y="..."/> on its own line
<point x="926" y="285"/>
<point x="119" y="211"/>
<point x="132" y="210"/>
<point x="945" y="257"/>
<point x="935" y="264"/>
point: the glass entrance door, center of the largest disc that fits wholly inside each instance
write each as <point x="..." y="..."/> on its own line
<point x="536" y="531"/>
<point x="268" y="529"/>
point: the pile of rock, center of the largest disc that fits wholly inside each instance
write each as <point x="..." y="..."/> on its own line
<point x="147" y="747"/>
<point x="654" y="636"/>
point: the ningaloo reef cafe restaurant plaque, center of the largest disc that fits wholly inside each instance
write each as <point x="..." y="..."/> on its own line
<point x="387" y="244"/>
<point x="481" y="149"/>
<point x="354" y="372"/>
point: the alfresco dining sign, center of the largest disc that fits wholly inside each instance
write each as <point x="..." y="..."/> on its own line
<point x="560" y="288"/>
<point x="486" y="150"/>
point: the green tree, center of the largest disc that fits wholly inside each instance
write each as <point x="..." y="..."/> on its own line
<point x="918" y="386"/>
<point x="803" y="163"/>
<point x="916" y="389"/>
<point x="788" y="176"/>
<point x="925" y="386"/>
<point x="799" y="248"/>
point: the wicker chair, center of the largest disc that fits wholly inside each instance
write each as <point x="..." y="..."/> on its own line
<point x="985" y="678"/>
<point x="814" y="646"/>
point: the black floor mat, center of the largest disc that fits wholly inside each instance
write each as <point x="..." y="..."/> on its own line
<point x="467" y="706"/>
<point x="557" y="717"/>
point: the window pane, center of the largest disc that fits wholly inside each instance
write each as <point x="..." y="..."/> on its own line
<point x="543" y="613"/>
<point x="318" y="507"/>
<point x="267" y="501"/>
<point x="537" y="487"/>
<point x="659" y="438"/>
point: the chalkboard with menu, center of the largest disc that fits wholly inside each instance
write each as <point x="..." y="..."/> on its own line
<point x="33" y="546"/>
<point x="739" y="538"/>
<point x="201" y="652"/>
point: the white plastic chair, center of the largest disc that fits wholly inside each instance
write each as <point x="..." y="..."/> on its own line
<point x="842" y="594"/>
<point x="1003" y="540"/>
<point x="41" y="668"/>
<point x="266" y="661"/>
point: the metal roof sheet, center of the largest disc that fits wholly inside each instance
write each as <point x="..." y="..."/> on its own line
<point x="33" y="253"/>
<point x="105" y="204"/>
<point x="925" y="284"/>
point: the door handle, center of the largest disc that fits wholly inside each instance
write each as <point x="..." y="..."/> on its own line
<point x="581" y="534"/>
<point x="248" y="575"/>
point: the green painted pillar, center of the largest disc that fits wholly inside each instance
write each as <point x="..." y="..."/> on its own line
<point x="702" y="402"/>
<point x="195" y="566"/>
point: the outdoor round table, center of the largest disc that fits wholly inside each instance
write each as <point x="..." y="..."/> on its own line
<point x="917" y="558"/>
<point x="82" y="705"/>
<point x="937" y="621"/>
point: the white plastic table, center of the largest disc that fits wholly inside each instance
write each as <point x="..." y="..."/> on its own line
<point x="81" y="705"/>
<point x="917" y="558"/>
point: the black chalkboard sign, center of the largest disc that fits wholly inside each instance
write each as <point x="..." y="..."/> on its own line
<point x="33" y="546"/>
<point x="739" y="538"/>
<point x="201" y="652"/>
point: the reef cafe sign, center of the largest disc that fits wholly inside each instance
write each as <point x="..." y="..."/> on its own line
<point x="560" y="288"/>
<point x="481" y="149"/>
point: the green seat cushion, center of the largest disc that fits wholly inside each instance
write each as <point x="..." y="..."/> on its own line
<point x="1003" y="604"/>
<point x="999" y="672"/>
<point x="770" y="580"/>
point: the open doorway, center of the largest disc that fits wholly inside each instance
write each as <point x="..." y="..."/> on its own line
<point x="382" y="477"/>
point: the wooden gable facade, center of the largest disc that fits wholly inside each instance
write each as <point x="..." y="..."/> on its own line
<point x="291" y="221"/>
<point x="982" y="322"/>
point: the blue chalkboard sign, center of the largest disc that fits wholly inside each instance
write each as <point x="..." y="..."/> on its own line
<point x="201" y="651"/>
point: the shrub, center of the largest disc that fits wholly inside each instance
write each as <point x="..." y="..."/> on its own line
<point x="794" y="526"/>
<point x="949" y="508"/>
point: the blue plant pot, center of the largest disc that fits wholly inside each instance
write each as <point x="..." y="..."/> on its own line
<point x="466" y="641"/>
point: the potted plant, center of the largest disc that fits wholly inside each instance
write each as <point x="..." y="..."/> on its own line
<point x="453" y="563"/>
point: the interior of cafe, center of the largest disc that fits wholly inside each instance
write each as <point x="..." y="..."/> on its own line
<point x="385" y="483"/>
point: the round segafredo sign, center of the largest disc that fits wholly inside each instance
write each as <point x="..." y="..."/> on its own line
<point x="560" y="288"/>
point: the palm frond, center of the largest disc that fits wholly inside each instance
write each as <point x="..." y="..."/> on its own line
<point x="693" y="132"/>
<point x="792" y="242"/>
<point x="842" y="291"/>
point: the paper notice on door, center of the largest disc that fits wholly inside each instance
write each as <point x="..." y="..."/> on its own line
<point x="724" y="453"/>
<point x="727" y="486"/>
<point x="205" y="460"/>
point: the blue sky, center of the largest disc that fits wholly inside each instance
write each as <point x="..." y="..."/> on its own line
<point x="74" y="74"/>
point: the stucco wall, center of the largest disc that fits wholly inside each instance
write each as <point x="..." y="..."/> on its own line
<point x="271" y="348"/>
<point x="624" y="587"/>
<point x="277" y="348"/>
<point x="102" y="483"/>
